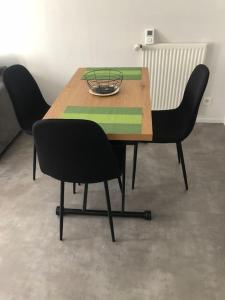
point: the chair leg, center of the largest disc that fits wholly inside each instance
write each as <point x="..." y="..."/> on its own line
<point x="85" y="196"/>
<point x="182" y="164"/>
<point x="74" y="187"/>
<point x="34" y="162"/>
<point x="124" y="180"/>
<point x="109" y="210"/>
<point x="61" y="211"/>
<point x="120" y="184"/>
<point x="134" y="164"/>
<point x="178" y="154"/>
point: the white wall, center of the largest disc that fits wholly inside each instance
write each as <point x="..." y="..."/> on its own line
<point x="55" y="37"/>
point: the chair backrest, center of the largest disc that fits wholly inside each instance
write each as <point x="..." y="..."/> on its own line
<point x="74" y="151"/>
<point x="28" y="102"/>
<point x="188" y="109"/>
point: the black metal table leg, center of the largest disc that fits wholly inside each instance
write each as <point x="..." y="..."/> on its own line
<point x="61" y="211"/>
<point x="34" y="162"/>
<point x="114" y="213"/>
<point x="74" y="187"/>
<point x="85" y="196"/>
<point x="104" y="213"/>
<point x="124" y="179"/>
<point x="134" y="164"/>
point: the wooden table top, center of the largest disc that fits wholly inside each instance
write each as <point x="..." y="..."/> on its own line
<point x="133" y="93"/>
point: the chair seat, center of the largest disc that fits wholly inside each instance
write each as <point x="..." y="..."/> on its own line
<point x="167" y="126"/>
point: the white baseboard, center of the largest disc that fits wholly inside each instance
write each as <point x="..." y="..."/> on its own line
<point x="210" y="120"/>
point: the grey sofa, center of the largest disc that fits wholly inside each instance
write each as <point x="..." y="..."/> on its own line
<point x="9" y="127"/>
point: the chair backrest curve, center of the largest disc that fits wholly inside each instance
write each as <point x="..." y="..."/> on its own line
<point x="28" y="102"/>
<point x="74" y="151"/>
<point x="195" y="88"/>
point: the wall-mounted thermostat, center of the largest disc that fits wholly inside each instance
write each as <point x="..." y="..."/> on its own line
<point x="149" y="36"/>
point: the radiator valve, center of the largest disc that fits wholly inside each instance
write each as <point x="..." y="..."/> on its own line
<point x="138" y="47"/>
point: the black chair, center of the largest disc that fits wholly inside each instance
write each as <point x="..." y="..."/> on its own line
<point x="28" y="102"/>
<point x="174" y="125"/>
<point x="77" y="151"/>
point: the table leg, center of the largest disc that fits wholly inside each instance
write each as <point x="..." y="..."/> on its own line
<point x="104" y="213"/>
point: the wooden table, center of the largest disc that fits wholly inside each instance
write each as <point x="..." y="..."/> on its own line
<point x="133" y="93"/>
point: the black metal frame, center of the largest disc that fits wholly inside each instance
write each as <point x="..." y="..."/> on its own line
<point x="34" y="162"/>
<point x="134" y="164"/>
<point x="85" y="197"/>
<point x="61" y="211"/>
<point x="124" y="180"/>
<point x="74" y="188"/>
<point x="146" y="215"/>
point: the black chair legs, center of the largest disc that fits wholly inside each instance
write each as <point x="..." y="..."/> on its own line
<point x="108" y="205"/>
<point x="34" y="162"/>
<point x="74" y="187"/>
<point x="61" y="211"/>
<point x="85" y="196"/>
<point x="181" y="155"/>
<point x="120" y="184"/>
<point x="134" y="164"/>
<point x="178" y="154"/>
<point x="109" y="210"/>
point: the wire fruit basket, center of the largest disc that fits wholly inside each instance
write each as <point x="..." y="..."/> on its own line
<point x="104" y="82"/>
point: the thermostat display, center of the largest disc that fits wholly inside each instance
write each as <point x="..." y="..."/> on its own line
<point x="149" y="36"/>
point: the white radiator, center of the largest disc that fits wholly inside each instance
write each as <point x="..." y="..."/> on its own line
<point x="170" y="66"/>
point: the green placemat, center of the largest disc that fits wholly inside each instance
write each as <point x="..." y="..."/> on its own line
<point x="114" y="120"/>
<point x="128" y="73"/>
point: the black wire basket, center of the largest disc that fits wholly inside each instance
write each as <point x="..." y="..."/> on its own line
<point x="104" y="82"/>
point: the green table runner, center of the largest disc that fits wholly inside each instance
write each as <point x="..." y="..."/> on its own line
<point x="128" y="73"/>
<point x="113" y="120"/>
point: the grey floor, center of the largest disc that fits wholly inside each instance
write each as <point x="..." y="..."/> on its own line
<point x="180" y="254"/>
